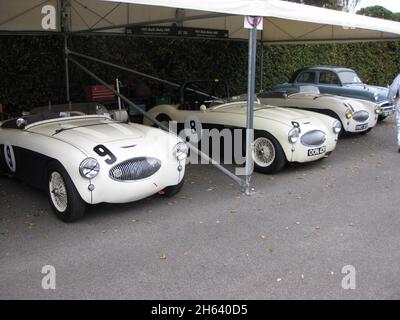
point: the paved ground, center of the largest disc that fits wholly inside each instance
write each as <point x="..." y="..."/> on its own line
<point x="289" y="241"/>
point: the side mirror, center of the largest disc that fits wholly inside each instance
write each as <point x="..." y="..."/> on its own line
<point x="21" y="123"/>
<point x="203" y="108"/>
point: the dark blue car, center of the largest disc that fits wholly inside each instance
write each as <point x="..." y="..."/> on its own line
<point x="341" y="82"/>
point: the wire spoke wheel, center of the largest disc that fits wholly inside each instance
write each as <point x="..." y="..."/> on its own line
<point x="264" y="152"/>
<point x="58" y="192"/>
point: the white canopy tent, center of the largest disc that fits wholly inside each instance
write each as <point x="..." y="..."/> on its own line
<point x="284" y="23"/>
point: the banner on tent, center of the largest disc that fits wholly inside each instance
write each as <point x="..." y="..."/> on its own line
<point x="175" y="31"/>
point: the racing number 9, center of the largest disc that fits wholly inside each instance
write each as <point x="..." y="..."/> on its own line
<point x="103" y="151"/>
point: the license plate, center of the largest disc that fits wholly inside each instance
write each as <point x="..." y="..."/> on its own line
<point x="362" y="126"/>
<point x="316" y="151"/>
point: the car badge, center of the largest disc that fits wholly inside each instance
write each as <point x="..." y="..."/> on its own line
<point x="118" y="173"/>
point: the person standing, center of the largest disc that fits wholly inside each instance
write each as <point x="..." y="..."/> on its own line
<point x="394" y="97"/>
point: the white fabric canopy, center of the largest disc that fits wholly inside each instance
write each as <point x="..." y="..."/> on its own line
<point x="284" y="22"/>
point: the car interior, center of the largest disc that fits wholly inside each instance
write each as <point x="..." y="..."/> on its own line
<point x="194" y="94"/>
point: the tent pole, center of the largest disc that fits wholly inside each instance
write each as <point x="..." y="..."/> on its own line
<point x="67" y="94"/>
<point x="250" y="105"/>
<point x="64" y="30"/>
<point x="262" y="66"/>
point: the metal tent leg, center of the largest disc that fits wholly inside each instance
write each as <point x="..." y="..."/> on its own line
<point x="67" y="91"/>
<point x="250" y="106"/>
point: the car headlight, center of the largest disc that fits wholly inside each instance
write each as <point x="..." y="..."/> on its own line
<point x="293" y="135"/>
<point x="181" y="150"/>
<point x="89" y="168"/>
<point x="376" y="96"/>
<point x="337" y="126"/>
<point x="349" y="114"/>
<point x="378" y="110"/>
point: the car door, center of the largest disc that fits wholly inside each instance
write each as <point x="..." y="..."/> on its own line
<point x="9" y="146"/>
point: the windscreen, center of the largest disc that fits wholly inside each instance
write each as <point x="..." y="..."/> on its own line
<point x="349" y="77"/>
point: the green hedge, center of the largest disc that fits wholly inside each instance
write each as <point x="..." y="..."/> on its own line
<point x="32" y="68"/>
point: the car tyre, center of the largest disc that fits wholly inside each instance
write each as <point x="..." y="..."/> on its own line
<point x="173" y="190"/>
<point x="382" y="117"/>
<point x="65" y="200"/>
<point x="268" y="154"/>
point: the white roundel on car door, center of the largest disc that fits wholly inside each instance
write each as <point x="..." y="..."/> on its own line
<point x="9" y="157"/>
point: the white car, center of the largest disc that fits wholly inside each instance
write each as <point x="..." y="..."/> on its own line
<point x="88" y="159"/>
<point x="281" y="134"/>
<point x="356" y="116"/>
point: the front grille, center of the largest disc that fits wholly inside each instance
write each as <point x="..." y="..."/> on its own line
<point x="313" y="138"/>
<point x="361" y="116"/>
<point x="135" y="169"/>
<point x="387" y="107"/>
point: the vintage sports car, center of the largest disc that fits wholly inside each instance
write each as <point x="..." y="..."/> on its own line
<point x="342" y="82"/>
<point x="281" y="134"/>
<point x="82" y="156"/>
<point x="355" y="115"/>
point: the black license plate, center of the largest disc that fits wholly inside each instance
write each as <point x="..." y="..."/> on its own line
<point x="362" y="126"/>
<point x="316" y="151"/>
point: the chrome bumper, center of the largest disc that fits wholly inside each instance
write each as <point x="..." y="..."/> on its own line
<point x="387" y="108"/>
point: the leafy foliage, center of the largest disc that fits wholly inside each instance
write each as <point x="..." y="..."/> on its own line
<point x="379" y="12"/>
<point x="32" y="68"/>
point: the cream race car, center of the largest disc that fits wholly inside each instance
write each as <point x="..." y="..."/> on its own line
<point x="356" y="116"/>
<point x="87" y="159"/>
<point x="281" y="134"/>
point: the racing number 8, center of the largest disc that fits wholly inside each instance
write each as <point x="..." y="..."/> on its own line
<point x="102" y="151"/>
<point x="193" y="126"/>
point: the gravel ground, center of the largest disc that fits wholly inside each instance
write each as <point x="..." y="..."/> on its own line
<point x="288" y="241"/>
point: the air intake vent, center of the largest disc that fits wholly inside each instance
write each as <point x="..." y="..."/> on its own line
<point x="135" y="169"/>
<point x="313" y="138"/>
<point x="360" y="116"/>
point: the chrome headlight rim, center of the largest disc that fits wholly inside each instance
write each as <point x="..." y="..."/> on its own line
<point x="181" y="151"/>
<point x="336" y="127"/>
<point x="348" y="114"/>
<point x="294" y="135"/>
<point x="378" y="110"/>
<point x="89" y="168"/>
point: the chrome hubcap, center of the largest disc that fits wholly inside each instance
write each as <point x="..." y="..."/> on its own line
<point x="58" y="192"/>
<point x="264" y="152"/>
